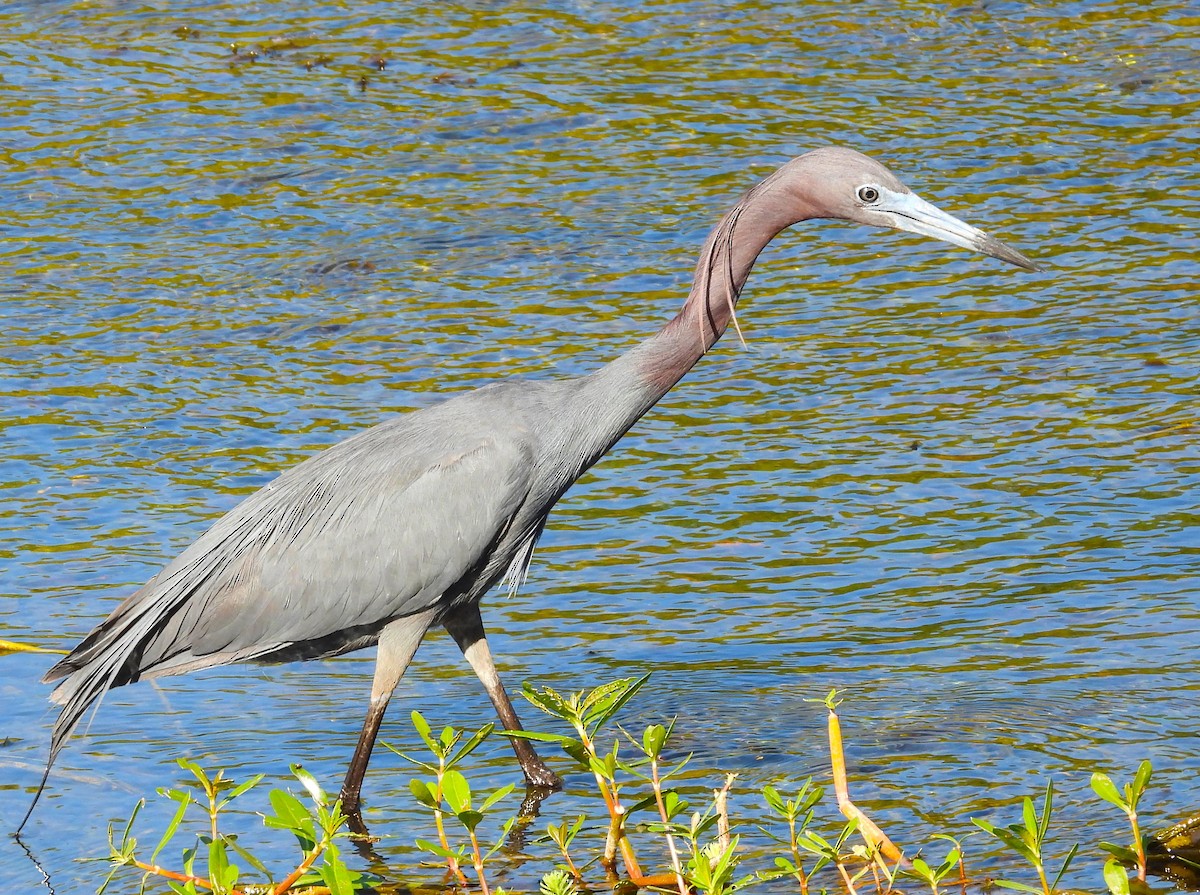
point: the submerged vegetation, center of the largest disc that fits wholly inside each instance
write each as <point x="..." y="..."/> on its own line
<point x="644" y="833"/>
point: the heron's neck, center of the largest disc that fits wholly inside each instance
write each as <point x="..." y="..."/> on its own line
<point x="619" y="393"/>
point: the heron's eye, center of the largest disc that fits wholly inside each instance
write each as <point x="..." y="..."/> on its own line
<point x="868" y="195"/>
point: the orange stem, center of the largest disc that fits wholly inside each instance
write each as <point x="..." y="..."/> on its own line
<point x="837" y="757"/>
<point x="290" y="880"/>
<point x="201" y="881"/>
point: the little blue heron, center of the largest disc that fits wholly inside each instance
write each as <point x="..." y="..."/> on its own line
<point x="407" y="525"/>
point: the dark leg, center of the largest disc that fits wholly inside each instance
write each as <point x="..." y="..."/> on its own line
<point x="398" y="641"/>
<point x="466" y="627"/>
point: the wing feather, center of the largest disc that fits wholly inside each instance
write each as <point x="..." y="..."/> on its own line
<point x="378" y="527"/>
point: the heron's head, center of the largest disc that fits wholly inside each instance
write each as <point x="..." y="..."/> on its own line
<point x="847" y="185"/>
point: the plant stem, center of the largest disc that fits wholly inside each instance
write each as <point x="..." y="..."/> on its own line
<point x="571" y="865"/>
<point x="656" y="782"/>
<point x="201" y="881"/>
<point x="616" y="828"/>
<point x="477" y="860"/>
<point x="451" y="861"/>
<point x="290" y="880"/>
<point x="846" y="878"/>
<point x="796" y="856"/>
<point x="721" y="804"/>
<point x="1138" y="846"/>
<point x="1042" y="878"/>
<point x="837" y="756"/>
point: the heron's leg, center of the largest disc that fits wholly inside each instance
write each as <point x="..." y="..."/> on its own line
<point x="466" y="627"/>
<point x="398" y="641"/>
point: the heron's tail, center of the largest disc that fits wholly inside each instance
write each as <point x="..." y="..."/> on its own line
<point x="108" y="657"/>
<point x="84" y="684"/>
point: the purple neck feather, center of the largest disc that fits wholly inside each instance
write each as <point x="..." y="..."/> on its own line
<point x="618" y="394"/>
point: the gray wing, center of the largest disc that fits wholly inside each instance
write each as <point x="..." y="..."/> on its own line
<point x="375" y="528"/>
<point x="370" y="540"/>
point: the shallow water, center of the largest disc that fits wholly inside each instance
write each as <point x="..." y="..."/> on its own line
<point x="961" y="494"/>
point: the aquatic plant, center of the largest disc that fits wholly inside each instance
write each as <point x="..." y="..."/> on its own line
<point x="696" y="850"/>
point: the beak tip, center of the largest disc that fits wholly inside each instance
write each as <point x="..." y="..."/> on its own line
<point x="990" y="246"/>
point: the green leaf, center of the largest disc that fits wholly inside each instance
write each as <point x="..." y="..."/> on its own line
<point x="1020" y="887"/>
<point x="471" y="744"/>
<point x="440" y="851"/>
<point x="424" y="765"/>
<point x="456" y="791"/>
<point x="1116" y="877"/>
<point x="218" y="865"/>
<point x="611" y="702"/>
<point x="1103" y="786"/>
<point x="1046" y="808"/>
<point x="229" y="877"/>
<point x="648" y="801"/>
<point x="423" y="793"/>
<point x="470" y="819"/>
<point x="291" y="815"/>
<point x="246" y="856"/>
<point x="503" y="841"/>
<point x="922" y="870"/>
<point x="598" y="698"/>
<point x="847" y="831"/>
<point x="654" y="738"/>
<point x="334" y="872"/>
<point x="775" y="801"/>
<point x="241" y="789"/>
<point x="674" y="804"/>
<point x="194" y="769"/>
<point x="809" y="795"/>
<point x="575" y="828"/>
<point x="539" y="737"/>
<point x="1029" y="818"/>
<point x="984" y="825"/>
<point x="309" y="782"/>
<point x="578" y="752"/>
<point x="423" y="730"/>
<point x="496" y="796"/>
<point x="950" y="863"/>
<point x="172" y="827"/>
<point x="288" y="809"/>
<point x="562" y="835"/>
<point x="1122" y="853"/>
<point x="1065" y="864"/>
<point x="1010" y="837"/>
<point x="1140" y="781"/>
<point x="603" y="766"/>
<point x="548" y="701"/>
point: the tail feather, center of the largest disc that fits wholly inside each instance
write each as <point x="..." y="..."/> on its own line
<point x="110" y="656"/>
<point x="83" y="687"/>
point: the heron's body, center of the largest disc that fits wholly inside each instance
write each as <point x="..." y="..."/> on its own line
<point x="408" y="524"/>
<point x="427" y="510"/>
<point x="424" y="512"/>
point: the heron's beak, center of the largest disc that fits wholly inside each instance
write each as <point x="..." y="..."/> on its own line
<point x="908" y="211"/>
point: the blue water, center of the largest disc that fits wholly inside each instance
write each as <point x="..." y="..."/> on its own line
<point x="963" y="495"/>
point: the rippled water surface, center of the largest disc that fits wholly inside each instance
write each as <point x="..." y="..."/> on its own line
<point x="962" y="494"/>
